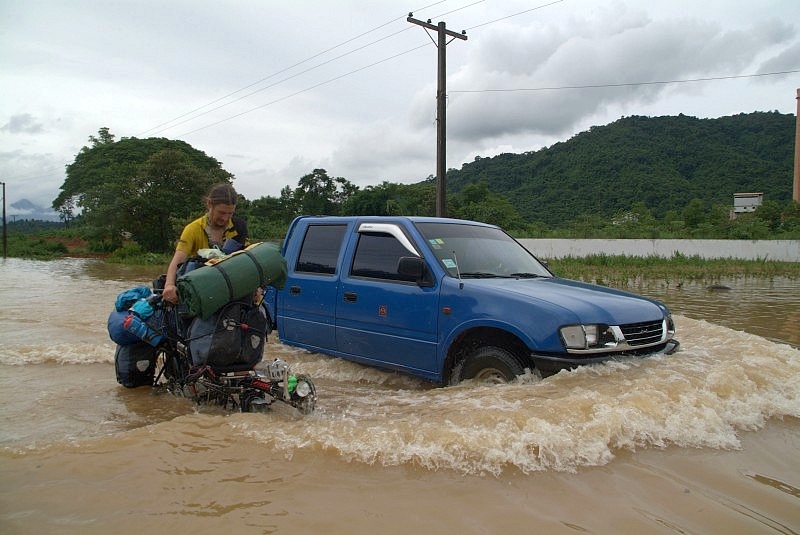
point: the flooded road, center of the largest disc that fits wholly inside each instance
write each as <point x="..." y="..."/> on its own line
<point x="704" y="441"/>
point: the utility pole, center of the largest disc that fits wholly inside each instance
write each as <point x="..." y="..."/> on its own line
<point x="5" y="232"/>
<point x="441" y="100"/>
<point x="796" y="186"/>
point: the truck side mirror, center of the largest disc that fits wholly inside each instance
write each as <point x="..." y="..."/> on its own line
<point x="413" y="268"/>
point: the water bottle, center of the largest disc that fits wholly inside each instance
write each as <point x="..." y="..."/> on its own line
<point x="139" y="327"/>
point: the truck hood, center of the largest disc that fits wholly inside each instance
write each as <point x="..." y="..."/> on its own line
<point x="587" y="303"/>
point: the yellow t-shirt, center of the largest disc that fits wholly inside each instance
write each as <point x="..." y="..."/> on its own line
<point x="194" y="237"/>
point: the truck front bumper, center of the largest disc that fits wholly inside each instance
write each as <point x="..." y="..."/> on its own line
<point x="551" y="364"/>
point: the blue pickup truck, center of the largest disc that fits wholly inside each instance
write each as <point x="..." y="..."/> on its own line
<point x="449" y="300"/>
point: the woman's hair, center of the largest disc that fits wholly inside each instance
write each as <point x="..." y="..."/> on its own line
<point x="222" y="193"/>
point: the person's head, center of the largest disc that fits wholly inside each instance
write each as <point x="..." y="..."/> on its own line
<point x="221" y="203"/>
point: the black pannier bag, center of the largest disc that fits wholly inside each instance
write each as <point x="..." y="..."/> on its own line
<point x="135" y="364"/>
<point x="233" y="337"/>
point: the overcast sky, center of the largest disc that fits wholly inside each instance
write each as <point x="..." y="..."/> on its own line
<point x="275" y="89"/>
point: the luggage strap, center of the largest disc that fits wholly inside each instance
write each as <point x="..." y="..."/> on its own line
<point x="261" y="279"/>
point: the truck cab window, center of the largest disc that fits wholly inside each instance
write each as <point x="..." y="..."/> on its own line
<point x="320" y="249"/>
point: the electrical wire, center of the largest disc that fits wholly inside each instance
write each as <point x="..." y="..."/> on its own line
<point x="329" y="61"/>
<point x="514" y="15"/>
<point x="303" y="90"/>
<point x="626" y="84"/>
<point x="172" y="123"/>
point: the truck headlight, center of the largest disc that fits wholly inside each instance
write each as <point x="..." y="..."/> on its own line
<point x="574" y="336"/>
<point x="670" y="326"/>
<point x="587" y="336"/>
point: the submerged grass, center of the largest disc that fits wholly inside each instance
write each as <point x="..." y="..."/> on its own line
<point x="621" y="271"/>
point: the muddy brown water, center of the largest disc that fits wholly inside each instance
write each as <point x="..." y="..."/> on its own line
<point x="704" y="441"/>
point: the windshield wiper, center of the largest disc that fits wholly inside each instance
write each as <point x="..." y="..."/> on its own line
<point x="481" y="275"/>
<point x="524" y="275"/>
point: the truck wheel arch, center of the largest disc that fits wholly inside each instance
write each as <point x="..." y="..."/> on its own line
<point x="487" y="354"/>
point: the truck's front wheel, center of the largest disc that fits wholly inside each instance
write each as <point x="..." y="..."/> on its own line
<point x="487" y="364"/>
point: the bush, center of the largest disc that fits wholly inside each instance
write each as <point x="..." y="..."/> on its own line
<point x="133" y="253"/>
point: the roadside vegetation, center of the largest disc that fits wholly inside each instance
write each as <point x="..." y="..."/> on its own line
<point x="618" y="271"/>
<point x="127" y="200"/>
<point x="627" y="271"/>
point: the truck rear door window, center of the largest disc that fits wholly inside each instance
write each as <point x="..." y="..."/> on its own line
<point x="320" y="250"/>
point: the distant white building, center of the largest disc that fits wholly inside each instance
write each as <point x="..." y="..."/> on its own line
<point x="746" y="202"/>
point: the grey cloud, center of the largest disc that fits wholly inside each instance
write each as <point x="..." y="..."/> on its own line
<point x="23" y="123"/>
<point x="542" y="67"/>
<point x="786" y="60"/>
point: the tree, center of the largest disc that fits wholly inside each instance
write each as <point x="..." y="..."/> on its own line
<point x="790" y="217"/>
<point x="770" y="213"/>
<point x="477" y="203"/>
<point x="148" y="187"/>
<point x="317" y="193"/>
<point x="156" y="214"/>
<point x="694" y="213"/>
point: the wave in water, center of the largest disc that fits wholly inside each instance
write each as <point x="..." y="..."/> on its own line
<point x="722" y="383"/>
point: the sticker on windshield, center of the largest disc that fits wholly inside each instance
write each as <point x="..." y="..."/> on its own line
<point x="436" y="243"/>
<point x="448" y="263"/>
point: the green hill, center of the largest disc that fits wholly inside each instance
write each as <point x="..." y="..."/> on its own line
<point x="664" y="162"/>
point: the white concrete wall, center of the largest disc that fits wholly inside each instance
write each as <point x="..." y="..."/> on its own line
<point x="784" y="250"/>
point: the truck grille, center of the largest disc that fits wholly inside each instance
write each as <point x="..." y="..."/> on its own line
<point x="639" y="334"/>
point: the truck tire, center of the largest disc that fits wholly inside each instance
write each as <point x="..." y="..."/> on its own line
<point x="487" y="364"/>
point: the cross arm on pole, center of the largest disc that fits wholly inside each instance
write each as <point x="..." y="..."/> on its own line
<point x="434" y="27"/>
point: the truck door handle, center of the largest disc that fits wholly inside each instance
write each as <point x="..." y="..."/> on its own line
<point x="294" y="290"/>
<point x="350" y="297"/>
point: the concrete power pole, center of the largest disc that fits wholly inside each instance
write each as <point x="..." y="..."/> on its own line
<point x="796" y="188"/>
<point x="441" y="100"/>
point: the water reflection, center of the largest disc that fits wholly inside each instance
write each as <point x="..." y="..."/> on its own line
<point x="766" y="307"/>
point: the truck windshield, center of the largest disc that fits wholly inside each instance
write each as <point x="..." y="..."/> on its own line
<point x="472" y="251"/>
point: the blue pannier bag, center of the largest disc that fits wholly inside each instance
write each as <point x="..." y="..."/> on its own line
<point x="117" y="330"/>
<point x="133" y="319"/>
<point x="127" y="298"/>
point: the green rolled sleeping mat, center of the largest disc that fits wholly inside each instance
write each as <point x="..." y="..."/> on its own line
<point x="207" y="289"/>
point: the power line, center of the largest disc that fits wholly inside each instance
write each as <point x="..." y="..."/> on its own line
<point x="273" y="84"/>
<point x="457" y="9"/>
<point x="158" y="128"/>
<point x="202" y="110"/>
<point x="321" y="64"/>
<point x="304" y="90"/>
<point x="628" y="84"/>
<point x="514" y="15"/>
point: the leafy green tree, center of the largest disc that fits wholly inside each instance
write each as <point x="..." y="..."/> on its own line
<point x="694" y="213"/>
<point x="374" y="200"/>
<point x="477" y="203"/>
<point x="390" y="198"/>
<point x="267" y="217"/>
<point x="317" y="193"/>
<point x="790" y="218"/>
<point x="146" y="187"/>
<point x="770" y="213"/>
<point x="164" y="182"/>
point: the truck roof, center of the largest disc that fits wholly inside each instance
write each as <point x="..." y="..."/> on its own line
<point x="413" y="219"/>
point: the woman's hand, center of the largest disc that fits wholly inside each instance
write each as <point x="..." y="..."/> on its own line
<point x="170" y="294"/>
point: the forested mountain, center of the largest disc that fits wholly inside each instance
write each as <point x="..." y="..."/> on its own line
<point x="664" y="162"/>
